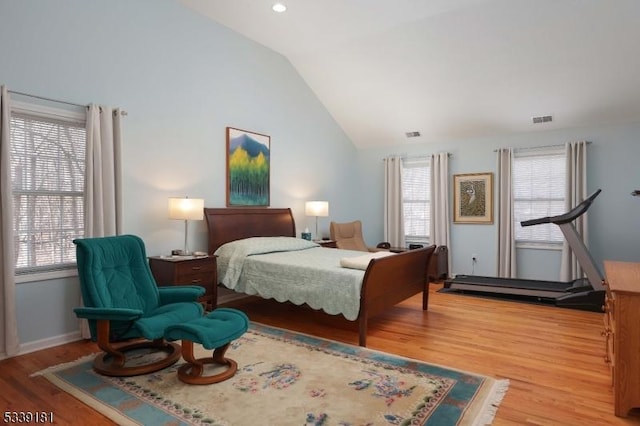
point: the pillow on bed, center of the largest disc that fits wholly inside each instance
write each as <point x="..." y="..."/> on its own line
<point x="261" y="245"/>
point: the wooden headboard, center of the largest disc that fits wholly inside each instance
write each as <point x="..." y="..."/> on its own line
<point x="230" y="224"/>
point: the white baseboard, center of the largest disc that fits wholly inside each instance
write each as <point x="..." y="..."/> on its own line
<point x="49" y="342"/>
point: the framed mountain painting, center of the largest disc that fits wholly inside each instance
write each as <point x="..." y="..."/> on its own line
<point x="248" y="168"/>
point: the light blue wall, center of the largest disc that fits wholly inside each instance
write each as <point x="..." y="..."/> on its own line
<point x="614" y="218"/>
<point x="182" y="79"/>
<point x="45" y="312"/>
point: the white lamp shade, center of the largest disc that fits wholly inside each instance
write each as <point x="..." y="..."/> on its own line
<point x="186" y="208"/>
<point x="316" y="208"/>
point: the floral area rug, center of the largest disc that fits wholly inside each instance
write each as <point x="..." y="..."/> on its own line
<point x="287" y="378"/>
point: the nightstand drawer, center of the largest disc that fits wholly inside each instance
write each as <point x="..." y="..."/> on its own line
<point x="205" y="280"/>
<point x="197" y="267"/>
<point x="200" y="271"/>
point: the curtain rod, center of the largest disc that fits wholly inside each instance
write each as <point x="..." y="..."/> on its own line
<point x="542" y="146"/>
<point x="122" y="112"/>
<point x="411" y="157"/>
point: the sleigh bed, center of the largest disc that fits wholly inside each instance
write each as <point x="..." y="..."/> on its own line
<point x="303" y="273"/>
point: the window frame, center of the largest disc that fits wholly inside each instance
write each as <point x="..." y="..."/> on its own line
<point x="538" y="152"/>
<point x="73" y="115"/>
<point x="417" y="162"/>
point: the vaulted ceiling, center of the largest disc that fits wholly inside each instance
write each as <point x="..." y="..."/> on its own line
<point x="453" y="69"/>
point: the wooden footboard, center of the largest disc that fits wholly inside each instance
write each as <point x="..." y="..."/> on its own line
<point x="387" y="281"/>
<point x="390" y="280"/>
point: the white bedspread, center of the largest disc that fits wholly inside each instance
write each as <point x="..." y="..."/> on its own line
<point x="310" y="275"/>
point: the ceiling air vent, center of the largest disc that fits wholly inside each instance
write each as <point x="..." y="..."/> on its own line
<point x="542" y="119"/>
<point x="412" y="134"/>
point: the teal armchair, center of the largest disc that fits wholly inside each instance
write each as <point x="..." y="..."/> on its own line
<point x="126" y="310"/>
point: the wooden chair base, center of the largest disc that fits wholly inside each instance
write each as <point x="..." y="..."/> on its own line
<point x="192" y="371"/>
<point x="114" y="364"/>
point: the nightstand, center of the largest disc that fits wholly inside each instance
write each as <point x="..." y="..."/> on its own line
<point x="326" y="243"/>
<point x="188" y="270"/>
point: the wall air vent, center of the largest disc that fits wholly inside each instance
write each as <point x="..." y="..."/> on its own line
<point x="542" y="119"/>
<point x="412" y="134"/>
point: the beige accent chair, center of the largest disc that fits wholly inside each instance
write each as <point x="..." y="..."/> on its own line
<point x="348" y="236"/>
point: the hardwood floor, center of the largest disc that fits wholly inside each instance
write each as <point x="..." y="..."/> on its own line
<point x="553" y="357"/>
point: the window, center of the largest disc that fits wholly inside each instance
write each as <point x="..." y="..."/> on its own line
<point x="538" y="190"/>
<point x="416" y="191"/>
<point x="47" y="173"/>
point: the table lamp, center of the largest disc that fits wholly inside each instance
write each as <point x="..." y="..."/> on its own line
<point x="317" y="209"/>
<point x="186" y="209"/>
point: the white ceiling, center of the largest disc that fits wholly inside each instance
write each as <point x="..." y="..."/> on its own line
<point x="453" y="69"/>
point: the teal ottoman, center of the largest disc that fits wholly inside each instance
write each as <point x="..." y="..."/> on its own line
<point x="214" y="331"/>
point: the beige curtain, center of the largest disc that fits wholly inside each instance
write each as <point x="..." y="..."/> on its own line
<point x="103" y="177"/>
<point x="393" y="215"/>
<point x="103" y="205"/>
<point x="439" y="206"/>
<point x="575" y="193"/>
<point x="506" y="247"/>
<point x="9" y="342"/>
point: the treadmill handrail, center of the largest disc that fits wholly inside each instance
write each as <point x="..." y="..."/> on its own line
<point x="570" y="216"/>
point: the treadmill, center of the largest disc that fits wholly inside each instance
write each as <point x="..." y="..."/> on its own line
<point x="584" y="293"/>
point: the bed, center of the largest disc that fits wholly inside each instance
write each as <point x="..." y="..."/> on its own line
<point x="382" y="283"/>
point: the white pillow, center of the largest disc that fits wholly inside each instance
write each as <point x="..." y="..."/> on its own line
<point x="261" y="245"/>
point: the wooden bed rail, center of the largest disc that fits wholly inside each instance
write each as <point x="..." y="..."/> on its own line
<point x="390" y="280"/>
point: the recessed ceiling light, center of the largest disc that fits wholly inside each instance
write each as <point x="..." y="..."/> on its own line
<point x="279" y="7"/>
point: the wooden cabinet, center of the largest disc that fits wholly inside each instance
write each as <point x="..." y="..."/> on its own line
<point x="439" y="265"/>
<point x="188" y="270"/>
<point x="622" y="332"/>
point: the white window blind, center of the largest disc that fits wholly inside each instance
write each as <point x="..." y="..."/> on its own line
<point x="416" y="189"/>
<point x="539" y="177"/>
<point x="47" y="173"/>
